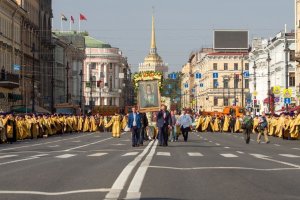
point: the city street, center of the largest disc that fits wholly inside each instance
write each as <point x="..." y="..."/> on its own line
<point x="97" y="166"/>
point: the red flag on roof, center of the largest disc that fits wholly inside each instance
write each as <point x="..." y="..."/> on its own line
<point x="82" y="17"/>
<point x="72" y="19"/>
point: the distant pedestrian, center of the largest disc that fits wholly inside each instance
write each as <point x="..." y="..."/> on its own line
<point x="247" y="125"/>
<point x="174" y="122"/>
<point x="263" y="128"/>
<point x="185" y="122"/>
<point x="163" y="122"/>
<point x="134" y="123"/>
<point x="143" y="133"/>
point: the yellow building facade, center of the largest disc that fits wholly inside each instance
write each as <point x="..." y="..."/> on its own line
<point x="297" y="41"/>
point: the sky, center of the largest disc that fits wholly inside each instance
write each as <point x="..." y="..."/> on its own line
<point x="182" y="26"/>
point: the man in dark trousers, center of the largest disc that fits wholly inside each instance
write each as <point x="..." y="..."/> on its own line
<point x="134" y="123"/>
<point x="247" y="126"/>
<point x="163" y="122"/>
<point x="185" y="122"/>
<point x="144" y="123"/>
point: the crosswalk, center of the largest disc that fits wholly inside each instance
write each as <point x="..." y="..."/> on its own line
<point x="166" y="154"/>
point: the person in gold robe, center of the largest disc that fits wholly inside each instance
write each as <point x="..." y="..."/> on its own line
<point x="93" y="127"/>
<point x="238" y="125"/>
<point x="86" y="124"/>
<point x="115" y="122"/>
<point x="226" y="123"/>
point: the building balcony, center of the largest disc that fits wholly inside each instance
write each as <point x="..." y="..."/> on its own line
<point x="8" y="80"/>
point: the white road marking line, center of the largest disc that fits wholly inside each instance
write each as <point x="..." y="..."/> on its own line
<point x="163" y="154"/>
<point x="118" y="144"/>
<point x="15" y="161"/>
<point x="89" y="144"/>
<point x="280" y="162"/>
<point x="229" y="155"/>
<point x="40" y="144"/>
<point x="289" y="155"/>
<point x="217" y="144"/>
<point x="226" y="147"/>
<point x="240" y="152"/>
<point x="125" y="140"/>
<point x="53" y="146"/>
<point x="277" y="145"/>
<point x="119" y="184"/>
<point x="54" y="193"/>
<point x="97" y="154"/>
<point x="131" y="154"/>
<point x="252" y="140"/>
<point x="40" y="155"/>
<point x="65" y="156"/>
<point x="258" y="155"/>
<point x="296" y="148"/>
<point x="133" y="191"/>
<point x="8" y="156"/>
<point x="195" y="154"/>
<point x="223" y="168"/>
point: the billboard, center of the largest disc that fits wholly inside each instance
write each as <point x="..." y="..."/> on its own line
<point x="231" y="39"/>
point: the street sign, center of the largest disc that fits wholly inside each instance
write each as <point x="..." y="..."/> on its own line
<point x="215" y="75"/>
<point x="246" y="74"/>
<point x="277" y="99"/>
<point x="287" y="93"/>
<point x="216" y="84"/>
<point x="287" y="100"/>
<point x="17" y="67"/>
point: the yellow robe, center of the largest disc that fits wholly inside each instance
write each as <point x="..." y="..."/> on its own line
<point x="280" y="126"/>
<point x="206" y="123"/>
<point x="115" y="122"/>
<point x="238" y="125"/>
<point x="79" y="124"/>
<point x="226" y="123"/>
<point x="93" y="127"/>
<point x="86" y="125"/>
<point x="216" y="125"/>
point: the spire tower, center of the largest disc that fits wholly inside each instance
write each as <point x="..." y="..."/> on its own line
<point x="153" y="49"/>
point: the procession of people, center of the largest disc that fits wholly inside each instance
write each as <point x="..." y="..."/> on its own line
<point x="163" y="125"/>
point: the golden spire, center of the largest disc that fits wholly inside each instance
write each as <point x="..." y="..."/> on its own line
<point x="153" y="41"/>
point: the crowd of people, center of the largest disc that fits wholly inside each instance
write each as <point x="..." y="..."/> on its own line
<point x="163" y="125"/>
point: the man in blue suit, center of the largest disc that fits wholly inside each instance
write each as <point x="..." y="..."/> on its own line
<point x="134" y="123"/>
<point x="163" y="122"/>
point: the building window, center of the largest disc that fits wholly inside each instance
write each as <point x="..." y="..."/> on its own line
<point x="215" y="66"/>
<point x="236" y="83"/>
<point x="236" y="66"/>
<point x="216" y="101"/>
<point x="110" y="66"/>
<point x="110" y="82"/>
<point x="225" y="66"/>
<point x="292" y="79"/>
<point x="292" y="56"/>
<point x="247" y="83"/>
<point x="215" y="83"/>
<point x="93" y="65"/>
<point x="226" y="102"/>
<point x="226" y="83"/>
<point x="246" y="66"/>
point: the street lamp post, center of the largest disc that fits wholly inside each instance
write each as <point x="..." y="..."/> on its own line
<point x="80" y="96"/>
<point x="269" y="82"/>
<point x="254" y="103"/>
<point x="33" y="78"/>
<point x="286" y="50"/>
<point x="67" y="70"/>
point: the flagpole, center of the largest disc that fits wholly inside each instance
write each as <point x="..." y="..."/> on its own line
<point x="79" y="25"/>
<point x="70" y="25"/>
<point x="61" y="24"/>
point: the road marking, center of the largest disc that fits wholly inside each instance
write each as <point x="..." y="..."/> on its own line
<point x="90" y="144"/>
<point x="41" y="155"/>
<point x="194" y="154"/>
<point x="8" y="156"/>
<point x="13" y="148"/>
<point x="280" y="162"/>
<point x="296" y="148"/>
<point x="118" y="144"/>
<point x="258" y="155"/>
<point x="15" y="161"/>
<point x="228" y="155"/>
<point x="54" y="193"/>
<point x="252" y="140"/>
<point x="133" y="191"/>
<point x="97" y="154"/>
<point x="210" y="141"/>
<point x="277" y="145"/>
<point x="125" y="140"/>
<point x="240" y="152"/>
<point x="289" y="155"/>
<point x="131" y="154"/>
<point x="226" y="147"/>
<point x="76" y="141"/>
<point x="222" y="168"/>
<point x="163" y="154"/>
<point x="217" y="144"/>
<point x="120" y="182"/>
<point x="53" y="146"/>
<point x="65" y="156"/>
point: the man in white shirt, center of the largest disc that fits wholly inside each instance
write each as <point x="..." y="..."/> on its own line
<point x="185" y="123"/>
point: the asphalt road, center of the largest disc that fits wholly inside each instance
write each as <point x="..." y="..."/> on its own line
<point x="97" y="166"/>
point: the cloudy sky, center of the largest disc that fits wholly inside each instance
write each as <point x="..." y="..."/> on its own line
<point x="181" y="25"/>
